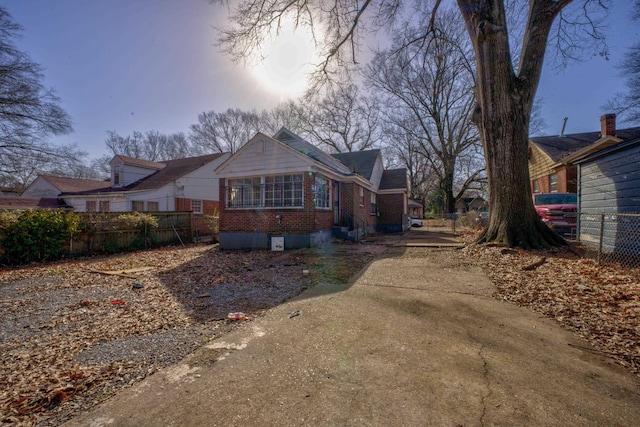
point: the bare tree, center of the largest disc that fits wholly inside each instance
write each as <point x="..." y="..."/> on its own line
<point x="343" y="120"/>
<point x="428" y="88"/>
<point x="627" y="104"/>
<point x="224" y="132"/>
<point x="504" y="92"/>
<point x="151" y="145"/>
<point x="29" y="112"/>
<point x="289" y="114"/>
<point x="64" y="160"/>
<point x="407" y="153"/>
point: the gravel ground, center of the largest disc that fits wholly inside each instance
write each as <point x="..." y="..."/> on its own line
<point x="71" y="335"/>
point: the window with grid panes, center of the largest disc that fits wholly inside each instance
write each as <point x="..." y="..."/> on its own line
<point x="244" y="193"/>
<point x="196" y="206"/>
<point x="321" y="193"/>
<point x="283" y="191"/>
<point x="137" y="205"/>
<point x="91" y="206"/>
<point x="153" y="206"/>
<point x="105" y="206"/>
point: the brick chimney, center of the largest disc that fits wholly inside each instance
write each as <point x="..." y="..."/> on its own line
<point x="608" y="125"/>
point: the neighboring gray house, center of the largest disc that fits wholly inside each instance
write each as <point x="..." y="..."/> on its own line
<point x="608" y="189"/>
<point x="609" y="179"/>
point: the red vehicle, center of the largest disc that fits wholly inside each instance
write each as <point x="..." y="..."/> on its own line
<point x="558" y="211"/>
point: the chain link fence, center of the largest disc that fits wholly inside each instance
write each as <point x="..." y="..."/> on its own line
<point x="611" y="237"/>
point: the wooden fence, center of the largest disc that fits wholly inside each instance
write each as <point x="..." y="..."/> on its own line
<point x="107" y="234"/>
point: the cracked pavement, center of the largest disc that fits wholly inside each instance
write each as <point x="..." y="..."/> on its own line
<point x="415" y="340"/>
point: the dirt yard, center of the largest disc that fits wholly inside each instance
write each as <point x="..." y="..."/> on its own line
<point x="73" y="333"/>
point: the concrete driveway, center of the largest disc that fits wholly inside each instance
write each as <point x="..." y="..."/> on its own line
<point x="415" y="340"/>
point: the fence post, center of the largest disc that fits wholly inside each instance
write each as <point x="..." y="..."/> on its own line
<point x="197" y="229"/>
<point x="601" y="237"/>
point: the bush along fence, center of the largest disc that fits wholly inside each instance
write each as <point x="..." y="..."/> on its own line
<point x="612" y="237"/>
<point x="44" y="235"/>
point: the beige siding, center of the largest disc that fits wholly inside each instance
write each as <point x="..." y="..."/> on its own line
<point x="263" y="156"/>
<point x="539" y="163"/>
<point x="40" y="187"/>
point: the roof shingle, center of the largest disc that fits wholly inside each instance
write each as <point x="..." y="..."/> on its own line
<point x="363" y="162"/>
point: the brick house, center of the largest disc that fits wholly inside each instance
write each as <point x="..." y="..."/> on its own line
<point x="551" y="168"/>
<point x="285" y="190"/>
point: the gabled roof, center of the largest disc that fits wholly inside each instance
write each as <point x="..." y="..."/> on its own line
<point x="292" y="140"/>
<point x="14" y="203"/>
<point x="362" y="162"/>
<point x="393" y="179"/>
<point x="170" y="171"/>
<point x="173" y="170"/>
<point x="558" y="147"/>
<point x="132" y="161"/>
<point x="65" y="184"/>
<point x="604" y="151"/>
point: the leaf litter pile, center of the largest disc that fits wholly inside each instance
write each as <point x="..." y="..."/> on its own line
<point x="73" y="333"/>
<point x="599" y="303"/>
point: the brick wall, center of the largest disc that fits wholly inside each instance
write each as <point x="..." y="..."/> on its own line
<point x="391" y="208"/>
<point x="209" y="207"/>
<point x="567" y="181"/>
<point x="351" y="203"/>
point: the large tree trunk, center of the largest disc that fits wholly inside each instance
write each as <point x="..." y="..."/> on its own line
<point x="502" y="116"/>
<point x="513" y="219"/>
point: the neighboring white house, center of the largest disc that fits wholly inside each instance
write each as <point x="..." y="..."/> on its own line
<point x="187" y="184"/>
<point x="140" y="185"/>
<point x="50" y="186"/>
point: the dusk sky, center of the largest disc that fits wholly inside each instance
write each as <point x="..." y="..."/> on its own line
<point x="126" y="65"/>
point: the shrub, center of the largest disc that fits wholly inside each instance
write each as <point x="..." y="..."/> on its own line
<point x="143" y="222"/>
<point x="35" y="235"/>
<point x="138" y="220"/>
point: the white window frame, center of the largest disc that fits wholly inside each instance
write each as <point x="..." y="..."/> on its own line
<point x="266" y="192"/>
<point x="553" y="183"/>
<point x="196" y="206"/>
<point x="321" y="192"/>
<point x="117" y="174"/>
<point x="283" y="191"/>
<point x="374" y="205"/>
